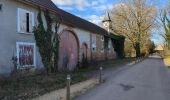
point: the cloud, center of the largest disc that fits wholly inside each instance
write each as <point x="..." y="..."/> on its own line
<point x="66" y="7"/>
<point x="81" y="5"/>
<point x="64" y="2"/>
<point x="90" y="6"/>
<point x="78" y="4"/>
<point x="95" y="19"/>
<point x="94" y="3"/>
<point x="100" y="8"/>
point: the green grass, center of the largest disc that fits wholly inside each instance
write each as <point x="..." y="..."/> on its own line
<point x="32" y="86"/>
<point x="167" y="61"/>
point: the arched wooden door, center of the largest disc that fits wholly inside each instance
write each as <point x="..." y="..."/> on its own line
<point x="68" y="51"/>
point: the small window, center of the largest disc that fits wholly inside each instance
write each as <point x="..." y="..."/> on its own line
<point x="26" y="54"/>
<point x="25" y="21"/>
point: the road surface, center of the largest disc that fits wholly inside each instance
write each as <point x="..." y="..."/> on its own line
<point x="148" y="80"/>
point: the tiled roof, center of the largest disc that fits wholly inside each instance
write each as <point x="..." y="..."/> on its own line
<point x="48" y="4"/>
<point x="71" y="19"/>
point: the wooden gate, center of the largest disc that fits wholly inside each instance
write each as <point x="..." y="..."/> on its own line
<point x="68" y="51"/>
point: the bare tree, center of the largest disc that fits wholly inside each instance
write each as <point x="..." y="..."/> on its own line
<point x="134" y="19"/>
<point x="164" y="17"/>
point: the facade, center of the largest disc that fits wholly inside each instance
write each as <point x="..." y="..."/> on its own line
<point x="79" y="39"/>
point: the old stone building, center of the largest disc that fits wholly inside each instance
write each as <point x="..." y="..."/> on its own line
<point x="79" y="38"/>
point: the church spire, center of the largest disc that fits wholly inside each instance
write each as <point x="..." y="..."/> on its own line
<point x="107" y="21"/>
<point x="107" y="16"/>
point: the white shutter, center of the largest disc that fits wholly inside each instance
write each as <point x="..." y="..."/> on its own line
<point x="30" y="22"/>
<point x="22" y="21"/>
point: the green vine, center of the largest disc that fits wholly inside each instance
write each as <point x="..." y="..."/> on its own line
<point x="47" y="42"/>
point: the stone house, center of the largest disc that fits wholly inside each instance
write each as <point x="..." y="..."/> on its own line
<point x="78" y="37"/>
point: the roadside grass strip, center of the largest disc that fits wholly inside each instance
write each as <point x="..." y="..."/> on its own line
<point x="36" y="85"/>
<point x="167" y="61"/>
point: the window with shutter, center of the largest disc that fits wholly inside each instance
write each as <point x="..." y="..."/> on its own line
<point x="21" y="21"/>
<point x="25" y="21"/>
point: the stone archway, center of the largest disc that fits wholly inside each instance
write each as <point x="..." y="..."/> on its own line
<point x="68" y="51"/>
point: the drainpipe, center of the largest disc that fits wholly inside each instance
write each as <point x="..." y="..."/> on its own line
<point x="91" y="47"/>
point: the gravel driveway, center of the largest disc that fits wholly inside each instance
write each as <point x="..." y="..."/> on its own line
<point x="148" y="80"/>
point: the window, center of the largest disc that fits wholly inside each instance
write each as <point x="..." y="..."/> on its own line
<point x="26" y="54"/>
<point x="25" y="21"/>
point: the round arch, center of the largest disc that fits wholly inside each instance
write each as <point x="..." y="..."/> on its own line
<point x="68" y="50"/>
<point x="73" y="32"/>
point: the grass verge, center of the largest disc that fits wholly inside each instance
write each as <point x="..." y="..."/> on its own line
<point x="167" y="61"/>
<point x="35" y="85"/>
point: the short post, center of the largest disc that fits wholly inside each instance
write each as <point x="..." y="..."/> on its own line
<point x="68" y="87"/>
<point x="100" y="76"/>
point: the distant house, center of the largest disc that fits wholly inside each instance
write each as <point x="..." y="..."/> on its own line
<point x="78" y="36"/>
<point x="159" y="48"/>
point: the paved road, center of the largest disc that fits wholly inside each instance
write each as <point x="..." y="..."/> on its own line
<point x="148" y="80"/>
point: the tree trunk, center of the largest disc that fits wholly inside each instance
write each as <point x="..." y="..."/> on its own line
<point x="137" y="49"/>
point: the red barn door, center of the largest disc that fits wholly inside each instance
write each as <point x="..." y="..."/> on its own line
<point x="68" y="51"/>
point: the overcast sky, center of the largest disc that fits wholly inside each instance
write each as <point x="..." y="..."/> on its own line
<point x="93" y="10"/>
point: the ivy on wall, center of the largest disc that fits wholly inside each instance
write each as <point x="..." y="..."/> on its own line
<point x="47" y="42"/>
<point x="119" y="47"/>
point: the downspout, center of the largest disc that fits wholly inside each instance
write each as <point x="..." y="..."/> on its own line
<point x="91" y="47"/>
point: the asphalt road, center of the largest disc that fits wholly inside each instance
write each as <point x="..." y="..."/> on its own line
<point x="148" y="80"/>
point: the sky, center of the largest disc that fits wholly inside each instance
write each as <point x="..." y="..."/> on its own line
<point x="94" y="10"/>
<point x="91" y="10"/>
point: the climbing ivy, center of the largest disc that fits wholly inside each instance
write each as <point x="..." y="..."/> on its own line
<point x="47" y="42"/>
